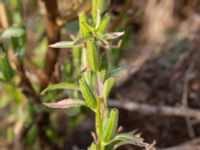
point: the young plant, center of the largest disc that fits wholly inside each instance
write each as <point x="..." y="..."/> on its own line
<point x="97" y="80"/>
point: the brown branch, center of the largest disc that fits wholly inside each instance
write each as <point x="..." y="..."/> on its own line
<point x="3" y="16"/>
<point x="25" y="83"/>
<point x="42" y="124"/>
<point x="19" y="142"/>
<point x="85" y="7"/>
<point x="53" y="35"/>
<point x="41" y="119"/>
<point x="153" y="109"/>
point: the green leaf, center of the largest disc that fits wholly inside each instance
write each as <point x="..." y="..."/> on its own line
<point x="5" y="68"/>
<point x="13" y="32"/>
<point x="116" y="71"/>
<point x="93" y="146"/>
<point x="110" y="125"/>
<point x="107" y="88"/>
<point x="30" y="108"/>
<point x="94" y="10"/>
<point x="88" y="27"/>
<point x="93" y="55"/>
<point x="66" y="103"/>
<point x="104" y="23"/>
<point x="87" y="94"/>
<point x="32" y="136"/>
<point x="98" y="19"/>
<point x="66" y="44"/>
<point x="100" y="4"/>
<point x="84" y="62"/>
<point x="82" y="22"/>
<point x="16" y="36"/>
<point x="97" y="5"/>
<point x="64" y="85"/>
<point x="10" y="134"/>
<point x="104" y="66"/>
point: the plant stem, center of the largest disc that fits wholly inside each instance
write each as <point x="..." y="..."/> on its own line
<point x="99" y="124"/>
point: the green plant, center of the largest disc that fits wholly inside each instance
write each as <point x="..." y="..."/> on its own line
<point x="97" y="79"/>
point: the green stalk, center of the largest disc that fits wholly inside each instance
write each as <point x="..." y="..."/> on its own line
<point x="99" y="124"/>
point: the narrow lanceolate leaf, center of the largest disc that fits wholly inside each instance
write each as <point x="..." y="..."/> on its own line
<point x="66" y="44"/>
<point x="104" y="23"/>
<point x="107" y="89"/>
<point x="87" y="94"/>
<point x="13" y="32"/>
<point x="15" y="36"/>
<point x="113" y="35"/>
<point x="117" y="71"/>
<point x="129" y="138"/>
<point x="66" y="103"/>
<point x="94" y="10"/>
<point x="82" y="22"/>
<point x="104" y="66"/>
<point x="93" y="55"/>
<point x="98" y="19"/>
<point x="88" y="27"/>
<point x="100" y="4"/>
<point x="5" y="68"/>
<point x="110" y="126"/>
<point x="97" y="5"/>
<point x="64" y="85"/>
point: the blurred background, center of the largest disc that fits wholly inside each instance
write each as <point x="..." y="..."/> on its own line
<point x="158" y="95"/>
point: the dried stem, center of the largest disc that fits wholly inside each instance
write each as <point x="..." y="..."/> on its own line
<point x="156" y="109"/>
<point x="53" y="35"/>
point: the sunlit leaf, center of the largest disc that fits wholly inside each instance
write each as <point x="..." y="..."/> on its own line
<point x="66" y="44"/>
<point x="66" y="103"/>
<point x="104" y="23"/>
<point x="94" y="10"/>
<point x="13" y="32"/>
<point x="82" y="21"/>
<point x="98" y="19"/>
<point x="93" y="146"/>
<point x="113" y="35"/>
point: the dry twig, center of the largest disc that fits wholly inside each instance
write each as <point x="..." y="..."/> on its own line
<point x="153" y="109"/>
<point x="53" y="35"/>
